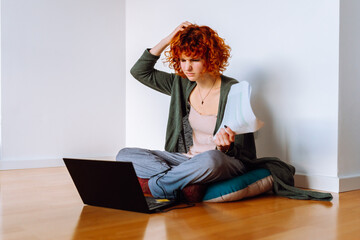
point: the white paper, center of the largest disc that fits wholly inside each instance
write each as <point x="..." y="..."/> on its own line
<point x="238" y="115"/>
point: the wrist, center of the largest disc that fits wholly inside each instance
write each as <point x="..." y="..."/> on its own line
<point x="166" y="41"/>
<point x="223" y="149"/>
<point x="160" y="47"/>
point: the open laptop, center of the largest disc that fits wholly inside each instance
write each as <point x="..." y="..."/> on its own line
<point x="112" y="184"/>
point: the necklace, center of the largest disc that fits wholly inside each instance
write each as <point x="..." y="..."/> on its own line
<point x="203" y="99"/>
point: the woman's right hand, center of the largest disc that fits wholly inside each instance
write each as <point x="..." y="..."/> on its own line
<point x="160" y="47"/>
<point x="181" y="27"/>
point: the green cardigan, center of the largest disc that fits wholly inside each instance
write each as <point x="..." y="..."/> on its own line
<point x="179" y="132"/>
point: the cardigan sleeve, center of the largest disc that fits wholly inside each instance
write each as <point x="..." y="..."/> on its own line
<point x="244" y="146"/>
<point x="144" y="72"/>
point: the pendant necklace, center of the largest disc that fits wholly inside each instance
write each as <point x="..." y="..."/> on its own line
<point x="203" y="99"/>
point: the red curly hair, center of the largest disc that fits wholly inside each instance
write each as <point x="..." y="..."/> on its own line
<point x="198" y="42"/>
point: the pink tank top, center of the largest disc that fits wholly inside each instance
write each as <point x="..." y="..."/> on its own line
<point x="203" y="128"/>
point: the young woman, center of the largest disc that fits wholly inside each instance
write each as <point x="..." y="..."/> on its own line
<point x="198" y="93"/>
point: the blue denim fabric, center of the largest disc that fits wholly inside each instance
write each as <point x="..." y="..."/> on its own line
<point x="168" y="172"/>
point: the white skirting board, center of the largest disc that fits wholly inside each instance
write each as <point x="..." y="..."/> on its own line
<point x="44" y="163"/>
<point x="326" y="183"/>
<point x="24" y="164"/>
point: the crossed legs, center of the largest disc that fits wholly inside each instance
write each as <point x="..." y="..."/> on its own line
<point x="168" y="172"/>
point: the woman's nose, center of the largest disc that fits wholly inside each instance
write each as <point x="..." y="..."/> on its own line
<point x="188" y="65"/>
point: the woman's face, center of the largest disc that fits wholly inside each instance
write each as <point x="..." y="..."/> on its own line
<point x="193" y="68"/>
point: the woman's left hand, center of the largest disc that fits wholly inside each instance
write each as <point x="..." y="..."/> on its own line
<point x="224" y="138"/>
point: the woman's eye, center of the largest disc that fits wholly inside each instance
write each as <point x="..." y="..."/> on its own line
<point x="195" y="60"/>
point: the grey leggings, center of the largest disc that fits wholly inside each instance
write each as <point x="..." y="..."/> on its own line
<point x="168" y="172"/>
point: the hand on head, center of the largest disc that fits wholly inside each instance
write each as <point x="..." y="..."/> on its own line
<point x="160" y="47"/>
<point x="181" y="27"/>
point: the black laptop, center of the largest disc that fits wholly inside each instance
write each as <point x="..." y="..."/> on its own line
<point x="112" y="184"/>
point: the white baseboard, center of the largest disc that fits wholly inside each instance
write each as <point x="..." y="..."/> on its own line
<point x="43" y="163"/>
<point x="23" y="164"/>
<point x="326" y="183"/>
<point x="349" y="183"/>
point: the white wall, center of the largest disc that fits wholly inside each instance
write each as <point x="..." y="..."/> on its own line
<point x="288" y="50"/>
<point x="349" y="90"/>
<point x="0" y="70"/>
<point x="63" y="86"/>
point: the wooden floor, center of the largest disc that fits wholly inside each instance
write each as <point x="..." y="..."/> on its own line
<point x="44" y="204"/>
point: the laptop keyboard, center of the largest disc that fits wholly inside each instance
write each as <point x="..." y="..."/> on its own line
<point x="155" y="203"/>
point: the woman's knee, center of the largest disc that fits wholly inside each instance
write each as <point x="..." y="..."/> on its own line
<point x="211" y="160"/>
<point x="126" y="154"/>
<point x="121" y="153"/>
<point x="219" y="162"/>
